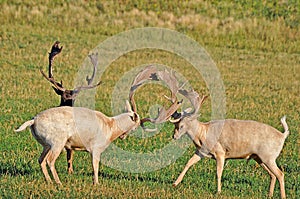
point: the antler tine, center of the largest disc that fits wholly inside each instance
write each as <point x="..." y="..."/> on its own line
<point x="202" y="100"/>
<point x="80" y="88"/>
<point x="163" y="116"/>
<point x="149" y="73"/>
<point x="57" y="85"/>
<point x="194" y="98"/>
<point x="94" y="59"/>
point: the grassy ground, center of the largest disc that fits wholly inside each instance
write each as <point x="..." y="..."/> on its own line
<point x="256" y="47"/>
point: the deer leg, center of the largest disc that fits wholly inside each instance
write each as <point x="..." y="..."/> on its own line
<point x="95" y="162"/>
<point x="70" y="154"/>
<point x="272" y="176"/>
<point x="272" y="179"/>
<point x="195" y="158"/>
<point x="42" y="162"/>
<point x="220" y="165"/>
<point x="55" y="151"/>
<point x="279" y="175"/>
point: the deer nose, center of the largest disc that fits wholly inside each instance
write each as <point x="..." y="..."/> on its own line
<point x="175" y="137"/>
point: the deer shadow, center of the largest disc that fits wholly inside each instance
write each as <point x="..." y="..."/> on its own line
<point x="15" y="170"/>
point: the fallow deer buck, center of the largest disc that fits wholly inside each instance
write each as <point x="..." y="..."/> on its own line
<point x="224" y="139"/>
<point x="233" y="139"/>
<point x="67" y="97"/>
<point x="77" y="128"/>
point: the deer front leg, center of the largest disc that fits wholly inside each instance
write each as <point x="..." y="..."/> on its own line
<point x="195" y="158"/>
<point x="220" y="165"/>
<point x="95" y="161"/>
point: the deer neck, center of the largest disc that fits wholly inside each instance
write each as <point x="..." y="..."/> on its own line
<point x="198" y="132"/>
<point x="123" y="125"/>
<point x="111" y="126"/>
<point x="202" y="130"/>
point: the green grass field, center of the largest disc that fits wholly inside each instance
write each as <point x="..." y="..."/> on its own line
<point x="256" y="47"/>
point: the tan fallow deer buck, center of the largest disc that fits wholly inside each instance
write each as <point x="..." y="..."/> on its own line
<point x="222" y="139"/>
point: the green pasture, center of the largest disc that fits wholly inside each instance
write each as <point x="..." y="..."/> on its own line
<point x="254" y="44"/>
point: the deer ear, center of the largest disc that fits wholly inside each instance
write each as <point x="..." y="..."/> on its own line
<point x="128" y="106"/>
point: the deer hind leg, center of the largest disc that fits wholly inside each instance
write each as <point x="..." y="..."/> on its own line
<point x="42" y="162"/>
<point x="272" y="176"/>
<point x="55" y="151"/>
<point x="194" y="159"/>
<point x="272" y="166"/>
<point x="70" y="155"/>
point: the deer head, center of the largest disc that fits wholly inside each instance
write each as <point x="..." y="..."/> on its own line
<point x="185" y="120"/>
<point x="68" y="96"/>
<point x="196" y="103"/>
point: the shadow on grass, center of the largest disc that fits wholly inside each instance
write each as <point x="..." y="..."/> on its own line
<point x="15" y="170"/>
<point x="134" y="177"/>
<point x="23" y="169"/>
<point x="117" y="176"/>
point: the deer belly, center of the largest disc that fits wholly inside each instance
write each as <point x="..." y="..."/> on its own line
<point x="75" y="143"/>
<point x="239" y="156"/>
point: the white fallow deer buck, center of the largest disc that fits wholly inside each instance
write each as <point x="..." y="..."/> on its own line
<point x="68" y="96"/>
<point x="223" y="139"/>
<point x="231" y="139"/>
<point x="77" y="128"/>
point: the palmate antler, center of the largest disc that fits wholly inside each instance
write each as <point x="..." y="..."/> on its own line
<point x="165" y="114"/>
<point x="169" y="78"/>
<point x="94" y="60"/>
<point x="55" y="50"/>
<point x="151" y="73"/>
<point x="68" y="96"/>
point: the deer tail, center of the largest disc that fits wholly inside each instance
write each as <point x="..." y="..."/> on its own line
<point x="285" y="126"/>
<point x="25" y="125"/>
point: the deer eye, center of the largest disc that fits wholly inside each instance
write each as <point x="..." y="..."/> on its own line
<point x="181" y="126"/>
